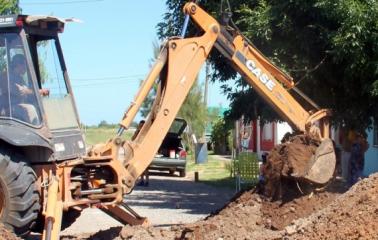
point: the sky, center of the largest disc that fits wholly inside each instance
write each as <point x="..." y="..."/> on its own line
<point x="109" y="53"/>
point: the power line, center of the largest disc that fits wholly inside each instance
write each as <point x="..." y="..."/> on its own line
<point x="101" y="84"/>
<point x="105" y="84"/>
<point x="138" y="78"/>
<point x="62" y="2"/>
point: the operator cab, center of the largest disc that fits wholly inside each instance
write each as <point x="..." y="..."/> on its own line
<point x="36" y="99"/>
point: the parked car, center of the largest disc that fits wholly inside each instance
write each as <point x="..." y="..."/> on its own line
<point x="171" y="155"/>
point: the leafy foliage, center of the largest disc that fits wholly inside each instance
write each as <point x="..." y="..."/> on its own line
<point x="105" y="124"/>
<point x="329" y="47"/>
<point x="213" y="114"/>
<point x="193" y="111"/>
<point x="220" y="136"/>
<point x="9" y="7"/>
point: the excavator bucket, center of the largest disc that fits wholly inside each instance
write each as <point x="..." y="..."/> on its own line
<point x="300" y="158"/>
<point x="322" y="164"/>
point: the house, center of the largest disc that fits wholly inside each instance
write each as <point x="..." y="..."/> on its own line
<point x="260" y="137"/>
<point x="371" y="155"/>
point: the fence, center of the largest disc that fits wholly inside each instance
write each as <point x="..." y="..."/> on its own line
<point x="245" y="169"/>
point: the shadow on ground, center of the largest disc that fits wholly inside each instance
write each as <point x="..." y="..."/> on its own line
<point x="189" y="196"/>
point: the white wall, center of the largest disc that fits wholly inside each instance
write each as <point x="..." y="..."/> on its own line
<point x="371" y="156"/>
<point x="281" y="129"/>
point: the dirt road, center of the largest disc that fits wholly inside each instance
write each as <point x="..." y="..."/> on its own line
<point x="165" y="202"/>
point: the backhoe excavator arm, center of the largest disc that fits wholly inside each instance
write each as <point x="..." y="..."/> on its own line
<point x="269" y="81"/>
<point x="184" y="60"/>
<point x="176" y="68"/>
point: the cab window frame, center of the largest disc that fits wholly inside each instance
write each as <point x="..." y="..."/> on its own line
<point x="31" y="76"/>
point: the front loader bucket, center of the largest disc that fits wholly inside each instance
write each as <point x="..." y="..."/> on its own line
<point x="322" y="164"/>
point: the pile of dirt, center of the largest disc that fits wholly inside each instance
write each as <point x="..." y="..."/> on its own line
<point x="252" y="216"/>
<point x="248" y="216"/>
<point x="6" y="234"/>
<point x="241" y="219"/>
<point x="292" y="158"/>
<point x="354" y="215"/>
<point x="325" y="215"/>
<point x="281" y="213"/>
<point x="278" y="215"/>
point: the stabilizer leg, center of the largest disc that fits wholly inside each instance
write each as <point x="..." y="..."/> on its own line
<point x="125" y="214"/>
<point x="54" y="212"/>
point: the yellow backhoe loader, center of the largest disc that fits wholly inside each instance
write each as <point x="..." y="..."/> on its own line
<point x="45" y="171"/>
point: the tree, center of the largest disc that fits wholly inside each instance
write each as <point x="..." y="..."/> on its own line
<point x="329" y="47"/>
<point x="220" y="136"/>
<point x="9" y="7"/>
<point x="213" y="114"/>
<point x="193" y="111"/>
<point x="103" y="124"/>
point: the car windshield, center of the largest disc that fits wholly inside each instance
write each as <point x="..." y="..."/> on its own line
<point x="177" y="127"/>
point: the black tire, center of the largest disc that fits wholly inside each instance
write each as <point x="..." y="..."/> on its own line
<point x="182" y="173"/>
<point x="19" y="198"/>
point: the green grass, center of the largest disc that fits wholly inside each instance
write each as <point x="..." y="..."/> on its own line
<point x="101" y="135"/>
<point x="214" y="172"/>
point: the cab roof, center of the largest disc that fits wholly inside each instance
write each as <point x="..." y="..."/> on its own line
<point x="51" y="23"/>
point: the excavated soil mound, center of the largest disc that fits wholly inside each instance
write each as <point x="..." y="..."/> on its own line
<point x="241" y="219"/>
<point x="248" y="216"/>
<point x="277" y="216"/>
<point x="280" y="214"/>
<point x="325" y="215"/>
<point x="291" y="158"/>
<point x="354" y="215"/>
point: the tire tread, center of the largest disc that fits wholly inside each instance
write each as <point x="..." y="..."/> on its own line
<point x="23" y="197"/>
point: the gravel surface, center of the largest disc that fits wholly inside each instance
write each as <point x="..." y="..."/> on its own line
<point x="165" y="202"/>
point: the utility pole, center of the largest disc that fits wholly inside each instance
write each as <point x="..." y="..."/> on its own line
<point x="205" y="94"/>
<point x="207" y="72"/>
<point x="201" y="148"/>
